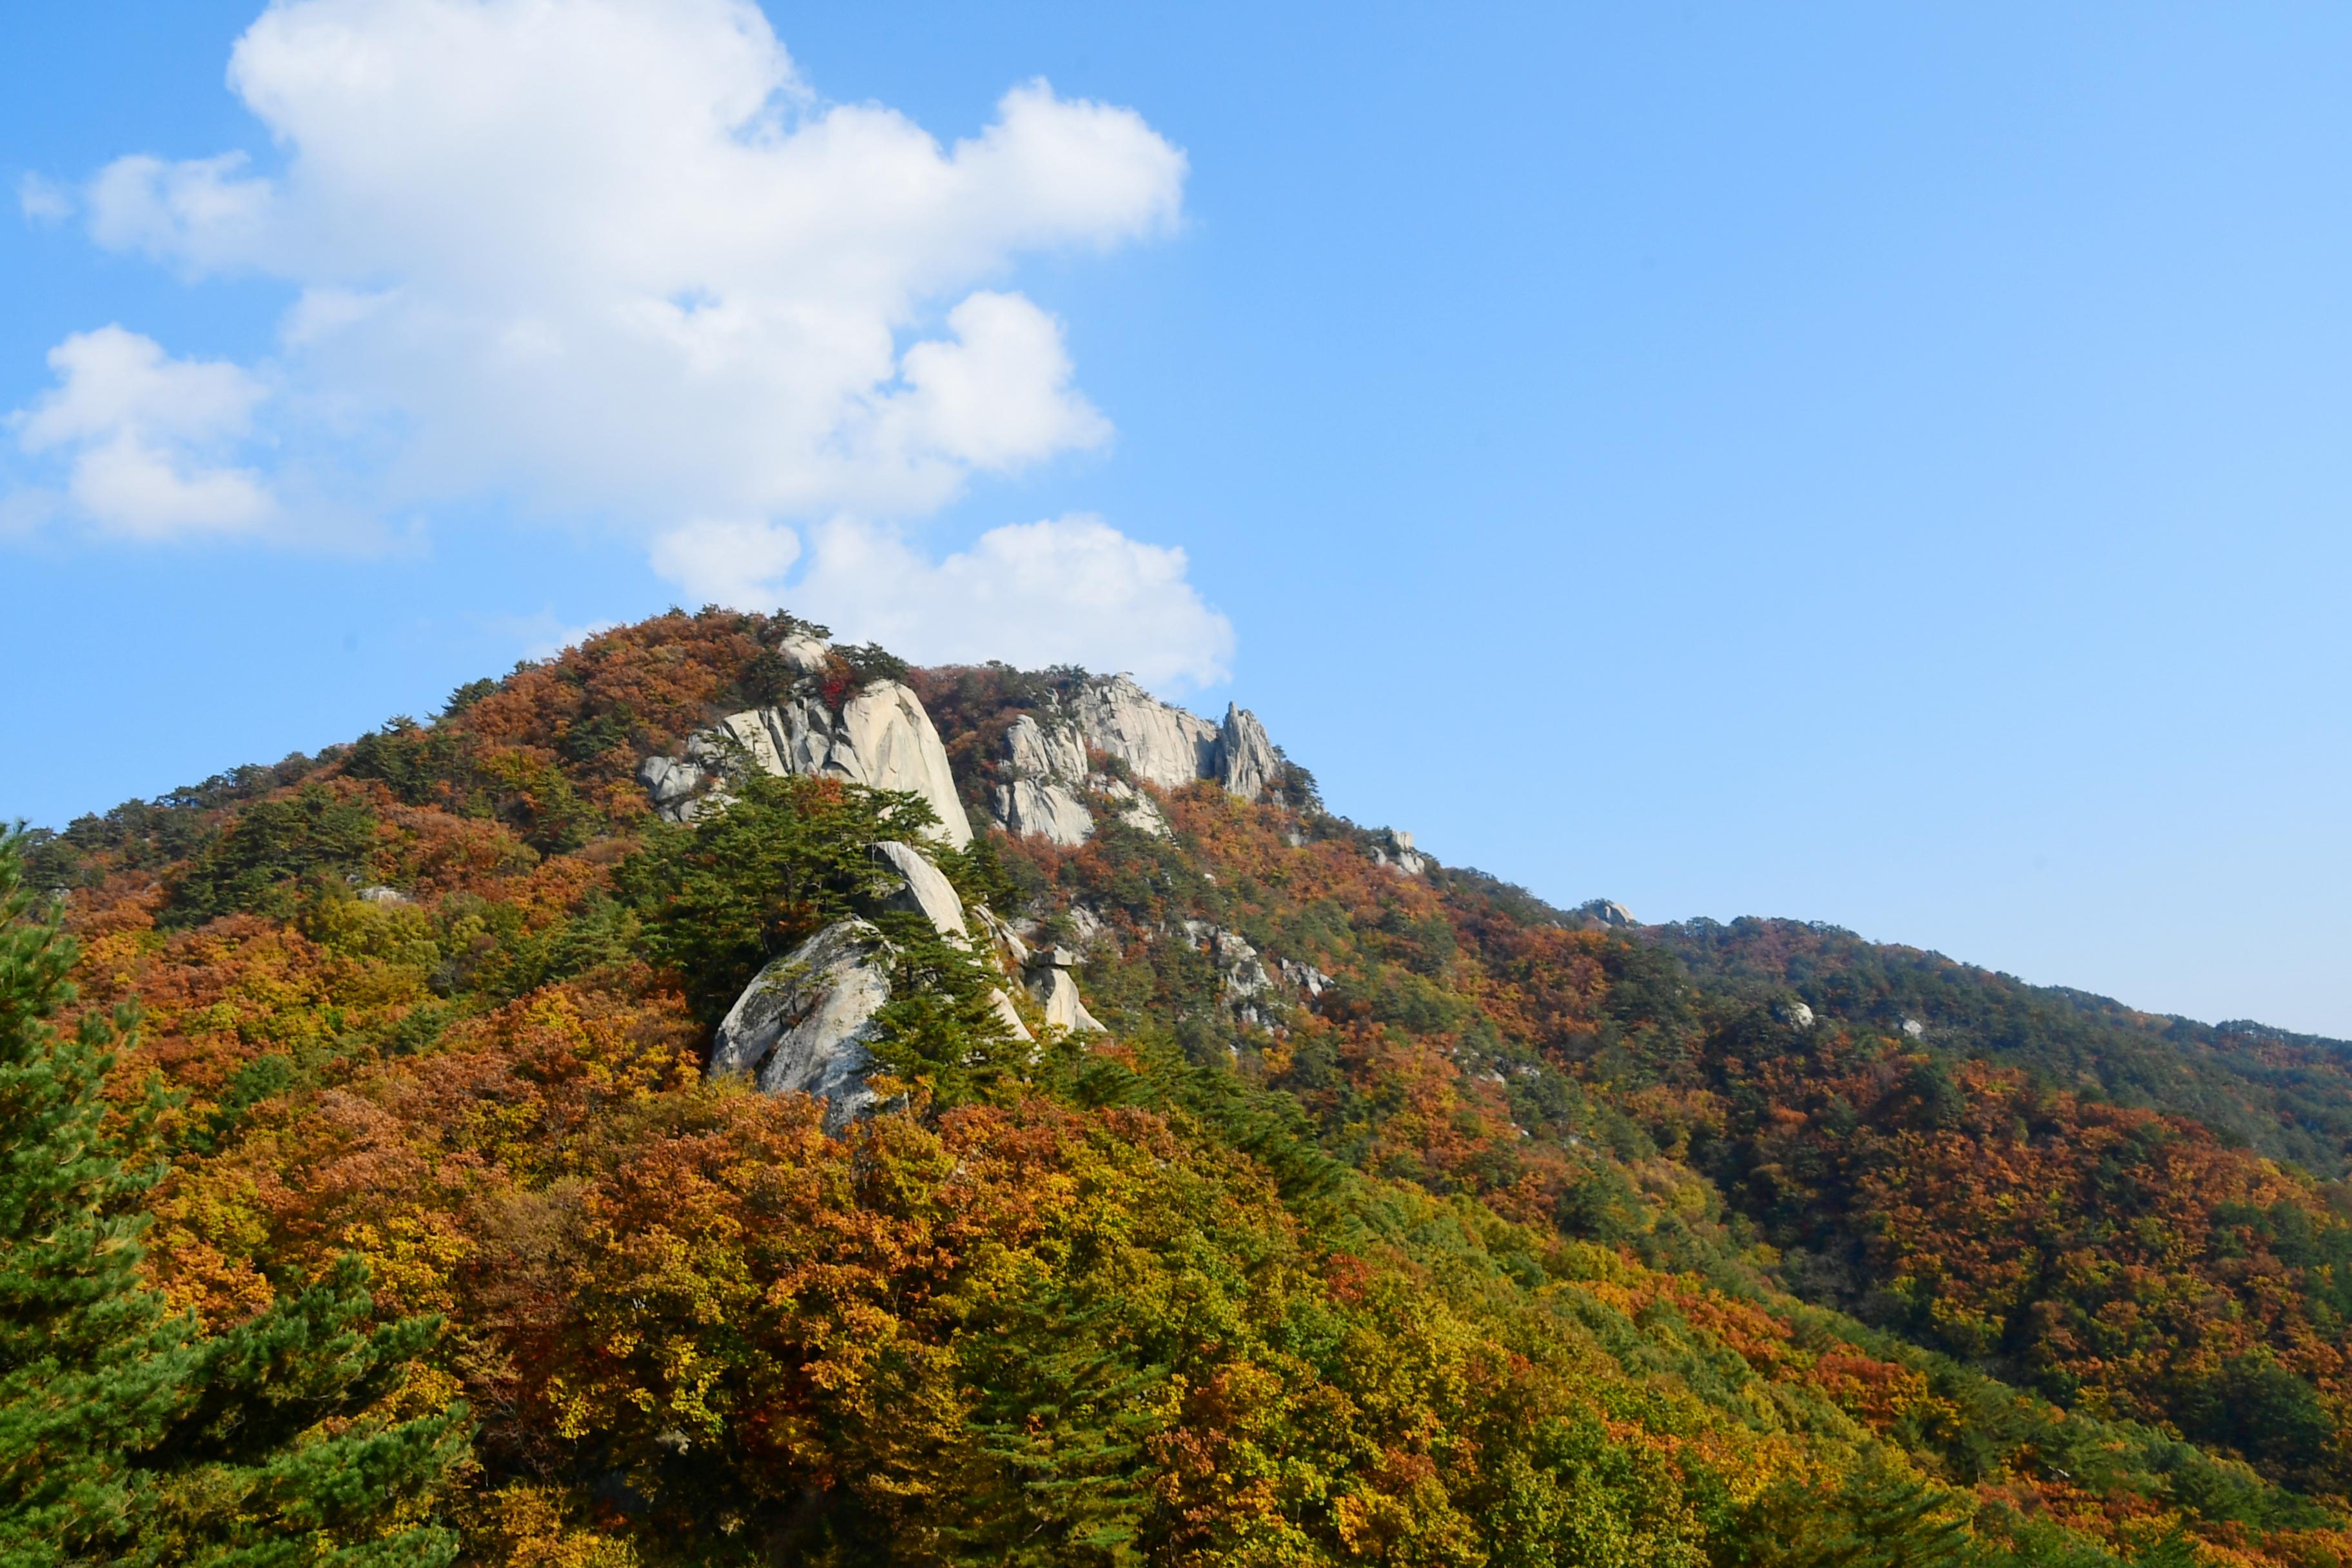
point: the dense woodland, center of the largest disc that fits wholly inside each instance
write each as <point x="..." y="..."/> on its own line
<point x="365" y="1200"/>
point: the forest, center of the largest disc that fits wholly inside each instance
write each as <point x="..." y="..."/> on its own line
<point x="365" y="1199"/>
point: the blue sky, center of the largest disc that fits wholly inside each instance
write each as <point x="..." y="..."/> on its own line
<point x="1869" y="465"/>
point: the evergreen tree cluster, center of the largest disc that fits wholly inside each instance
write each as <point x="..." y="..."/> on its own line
<point x="128" y="1435"/>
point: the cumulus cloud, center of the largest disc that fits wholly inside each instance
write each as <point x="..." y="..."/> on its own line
<point x="740" y="564"/>
<point x="613" y="252"/>
<point x="615" y="259"/>
<point x="43" y="200"/>
<point x="1074" y="590"/>
<point x="139" y="431"/>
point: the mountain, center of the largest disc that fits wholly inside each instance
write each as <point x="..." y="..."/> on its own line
<point x="843" y="1112"/>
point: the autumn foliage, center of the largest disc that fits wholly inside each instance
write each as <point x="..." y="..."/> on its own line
<point x="1508" y="1239"/>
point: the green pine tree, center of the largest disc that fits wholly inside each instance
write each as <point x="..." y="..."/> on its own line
<point x="124" y="1436"/>
<point x="1058" y="1426"/>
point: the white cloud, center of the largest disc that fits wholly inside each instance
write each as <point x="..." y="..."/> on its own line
<point x="43" y="200"/>
<point x="739" y="563"/>
<point x="611" y="253"/>
<point x="614" y="258"/>
<point x="141" y="434"/>
<point x="1073" y="591"/>
<point x="25" y="513"/>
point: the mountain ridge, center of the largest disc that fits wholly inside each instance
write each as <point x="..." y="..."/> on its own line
<point x="1699" y="1178"/>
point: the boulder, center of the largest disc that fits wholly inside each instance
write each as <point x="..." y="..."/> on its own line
<point x="1913" y="1027"/>
<point x="670" y="783"/>
<point x="1050" y="811"/>
<point x="1056" y="991"/>
<point x="924" y="890"/>
<point x="1608" y="912"/>
<point x="1796" y="1015"/>
<point x="802" y="1024"/>
<point x="806" y="654"/>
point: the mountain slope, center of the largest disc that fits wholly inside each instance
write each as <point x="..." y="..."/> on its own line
<point x="1395" y="1217"/>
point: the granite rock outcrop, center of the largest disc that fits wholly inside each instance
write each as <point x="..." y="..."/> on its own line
<point x="1056" y="989"/>
<point x="1056" y="789"/>
<point x="881" y="738"/>
<point x="803" y="1023"/>
<point x="924" y="890"/>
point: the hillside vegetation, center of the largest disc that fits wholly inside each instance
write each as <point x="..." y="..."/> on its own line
<point x="1398" y="1217"/>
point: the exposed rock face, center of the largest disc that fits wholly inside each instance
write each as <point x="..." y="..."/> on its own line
<point x="1243" y="973"/>
<point x="1049" y="766"/>
<point x="802" y="1024"/>
<point x="803" y="652"/>
<point x="1394" y="848"/>
<point x="1049" y="810"/>
<point x="1913" y="1027"/>
<point x="1010" y="1016"/>
<point x="1608" y="912"/>
<point x="925" y="891"/>
<point x="1305" y="976"/>
<point x="1003" y="935"/>
<point x="1165" y="745"/>
<point x="1136" y="809"/>
<point x="1246" y="764"/>
<point x="1056" y="991"/>
<point x="1038" y="752"/>
<point x="1087" y="927"/>
<point x="890" y="745"/>
<point x="1011" y="955"/>
<point x="882" y="739"/>
<point x="1245" y="976"/>
<point x="1052" y="760"/>
<point x="669" y="782"/>
<point x="1796" y="1015"/>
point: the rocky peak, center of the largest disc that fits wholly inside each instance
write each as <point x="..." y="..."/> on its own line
<point x="1392" y="848"/>
<point x="1158" y="743"/>
<point x="1246" y="764"/>
<point x="1050" y="756"/>
<point x="882" y="738"/>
